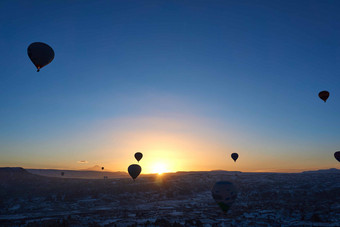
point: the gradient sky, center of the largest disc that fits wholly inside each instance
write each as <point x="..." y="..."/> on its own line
<point x="184" y="82"/>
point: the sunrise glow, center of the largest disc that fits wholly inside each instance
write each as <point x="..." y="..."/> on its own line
<point x="159" y="168"/>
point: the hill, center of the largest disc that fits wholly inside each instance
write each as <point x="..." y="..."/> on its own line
<point x="332" y="170"/>
<point x="15" y="174"/>
<point x="84" y="174"/>
<point x="93" y="168"/>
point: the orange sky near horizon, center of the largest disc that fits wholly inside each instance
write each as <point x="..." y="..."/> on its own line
<point x="172" y="143"/>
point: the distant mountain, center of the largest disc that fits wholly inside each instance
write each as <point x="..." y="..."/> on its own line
<point x="93" y="168"/>
<point x="332" y="170"/>
<point x="215" y="171"/>
<point x="224" y="171"/>
<point x="211" y="171"/>
<point x="22" y="183"/>
<point x="13" y="172"/>
<point x="85" y="174"/>
<point x="12" y="179"/>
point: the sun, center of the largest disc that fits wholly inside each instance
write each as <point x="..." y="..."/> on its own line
<point x="159" y="168"/>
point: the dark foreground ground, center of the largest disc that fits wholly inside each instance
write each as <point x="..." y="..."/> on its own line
<point x="179" y="199"/>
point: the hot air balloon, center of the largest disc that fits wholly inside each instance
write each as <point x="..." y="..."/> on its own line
<point x="324" y="95"/>
<point x="102" y="168"/>
<point x="224" y="193"/>
<point x="134" y="170"/>
<point x="234" y="156"/>
<point x="138" y="156"/>
<point x="62" y="173"/>
<point x="337" y="155"/>
<point x="40" y="54"/>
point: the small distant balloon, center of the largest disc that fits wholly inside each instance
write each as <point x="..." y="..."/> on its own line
<point x="40" y="54"/>
<point x="224" y="193"/>
<point x="337" y="156"/>
<point x="62" y="173"/>
<point x="138" y="156"/>
<point x="234" y="156"/>
<point x="102" y="168"/>
<point x="134" y="170"/>
<point x="324" y="95"/>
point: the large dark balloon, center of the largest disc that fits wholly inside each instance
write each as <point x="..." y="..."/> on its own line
<point x="138" y="156"/>
<point x="40" y="54"/>
<point x="324" y="95"/>
<point x="224" y="193"/>
<point x="134" y="170"/>
<point x="337" y="155"/>
<point x="102" y="168"/>
<point x="234" y="156"/>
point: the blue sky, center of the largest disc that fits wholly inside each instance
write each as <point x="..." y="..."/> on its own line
<point x="234" y="75"/>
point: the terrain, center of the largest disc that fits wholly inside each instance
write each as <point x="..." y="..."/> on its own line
<point x="173" y="199"/>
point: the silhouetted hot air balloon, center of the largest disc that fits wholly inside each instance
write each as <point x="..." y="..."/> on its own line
<point x="337" y="155"/>
<point x="40" y="54"/>
<point x="324" y="95"/>
<point x="134" y="170"/>
<point x="224" y="193"/>
<point x="138" y="156"/>
<point x="234" y="156"/>
<point x="102" y="168"/>
<point x="62" y="173"/>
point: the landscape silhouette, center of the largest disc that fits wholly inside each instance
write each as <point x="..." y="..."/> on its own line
<point x="174" y="113"/>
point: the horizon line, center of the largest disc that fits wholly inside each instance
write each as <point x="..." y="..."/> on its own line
<point x="185" y="171"/>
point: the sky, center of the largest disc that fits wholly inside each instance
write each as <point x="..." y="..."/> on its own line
<point x="186" y="83"/>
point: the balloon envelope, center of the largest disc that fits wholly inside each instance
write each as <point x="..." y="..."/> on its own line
<point x="102" y="168"/>
<point x="134" y="170"/>
<point x="224" y="193"/>
<point x="40" y="54"/>
<point x="324" y="95"/>
<point x="337" y="155"/>
<point x="234" y="156"/>
<point x="138" y="156"/>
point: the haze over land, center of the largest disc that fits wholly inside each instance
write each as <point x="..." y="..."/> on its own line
<point x="310" y="198"/>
